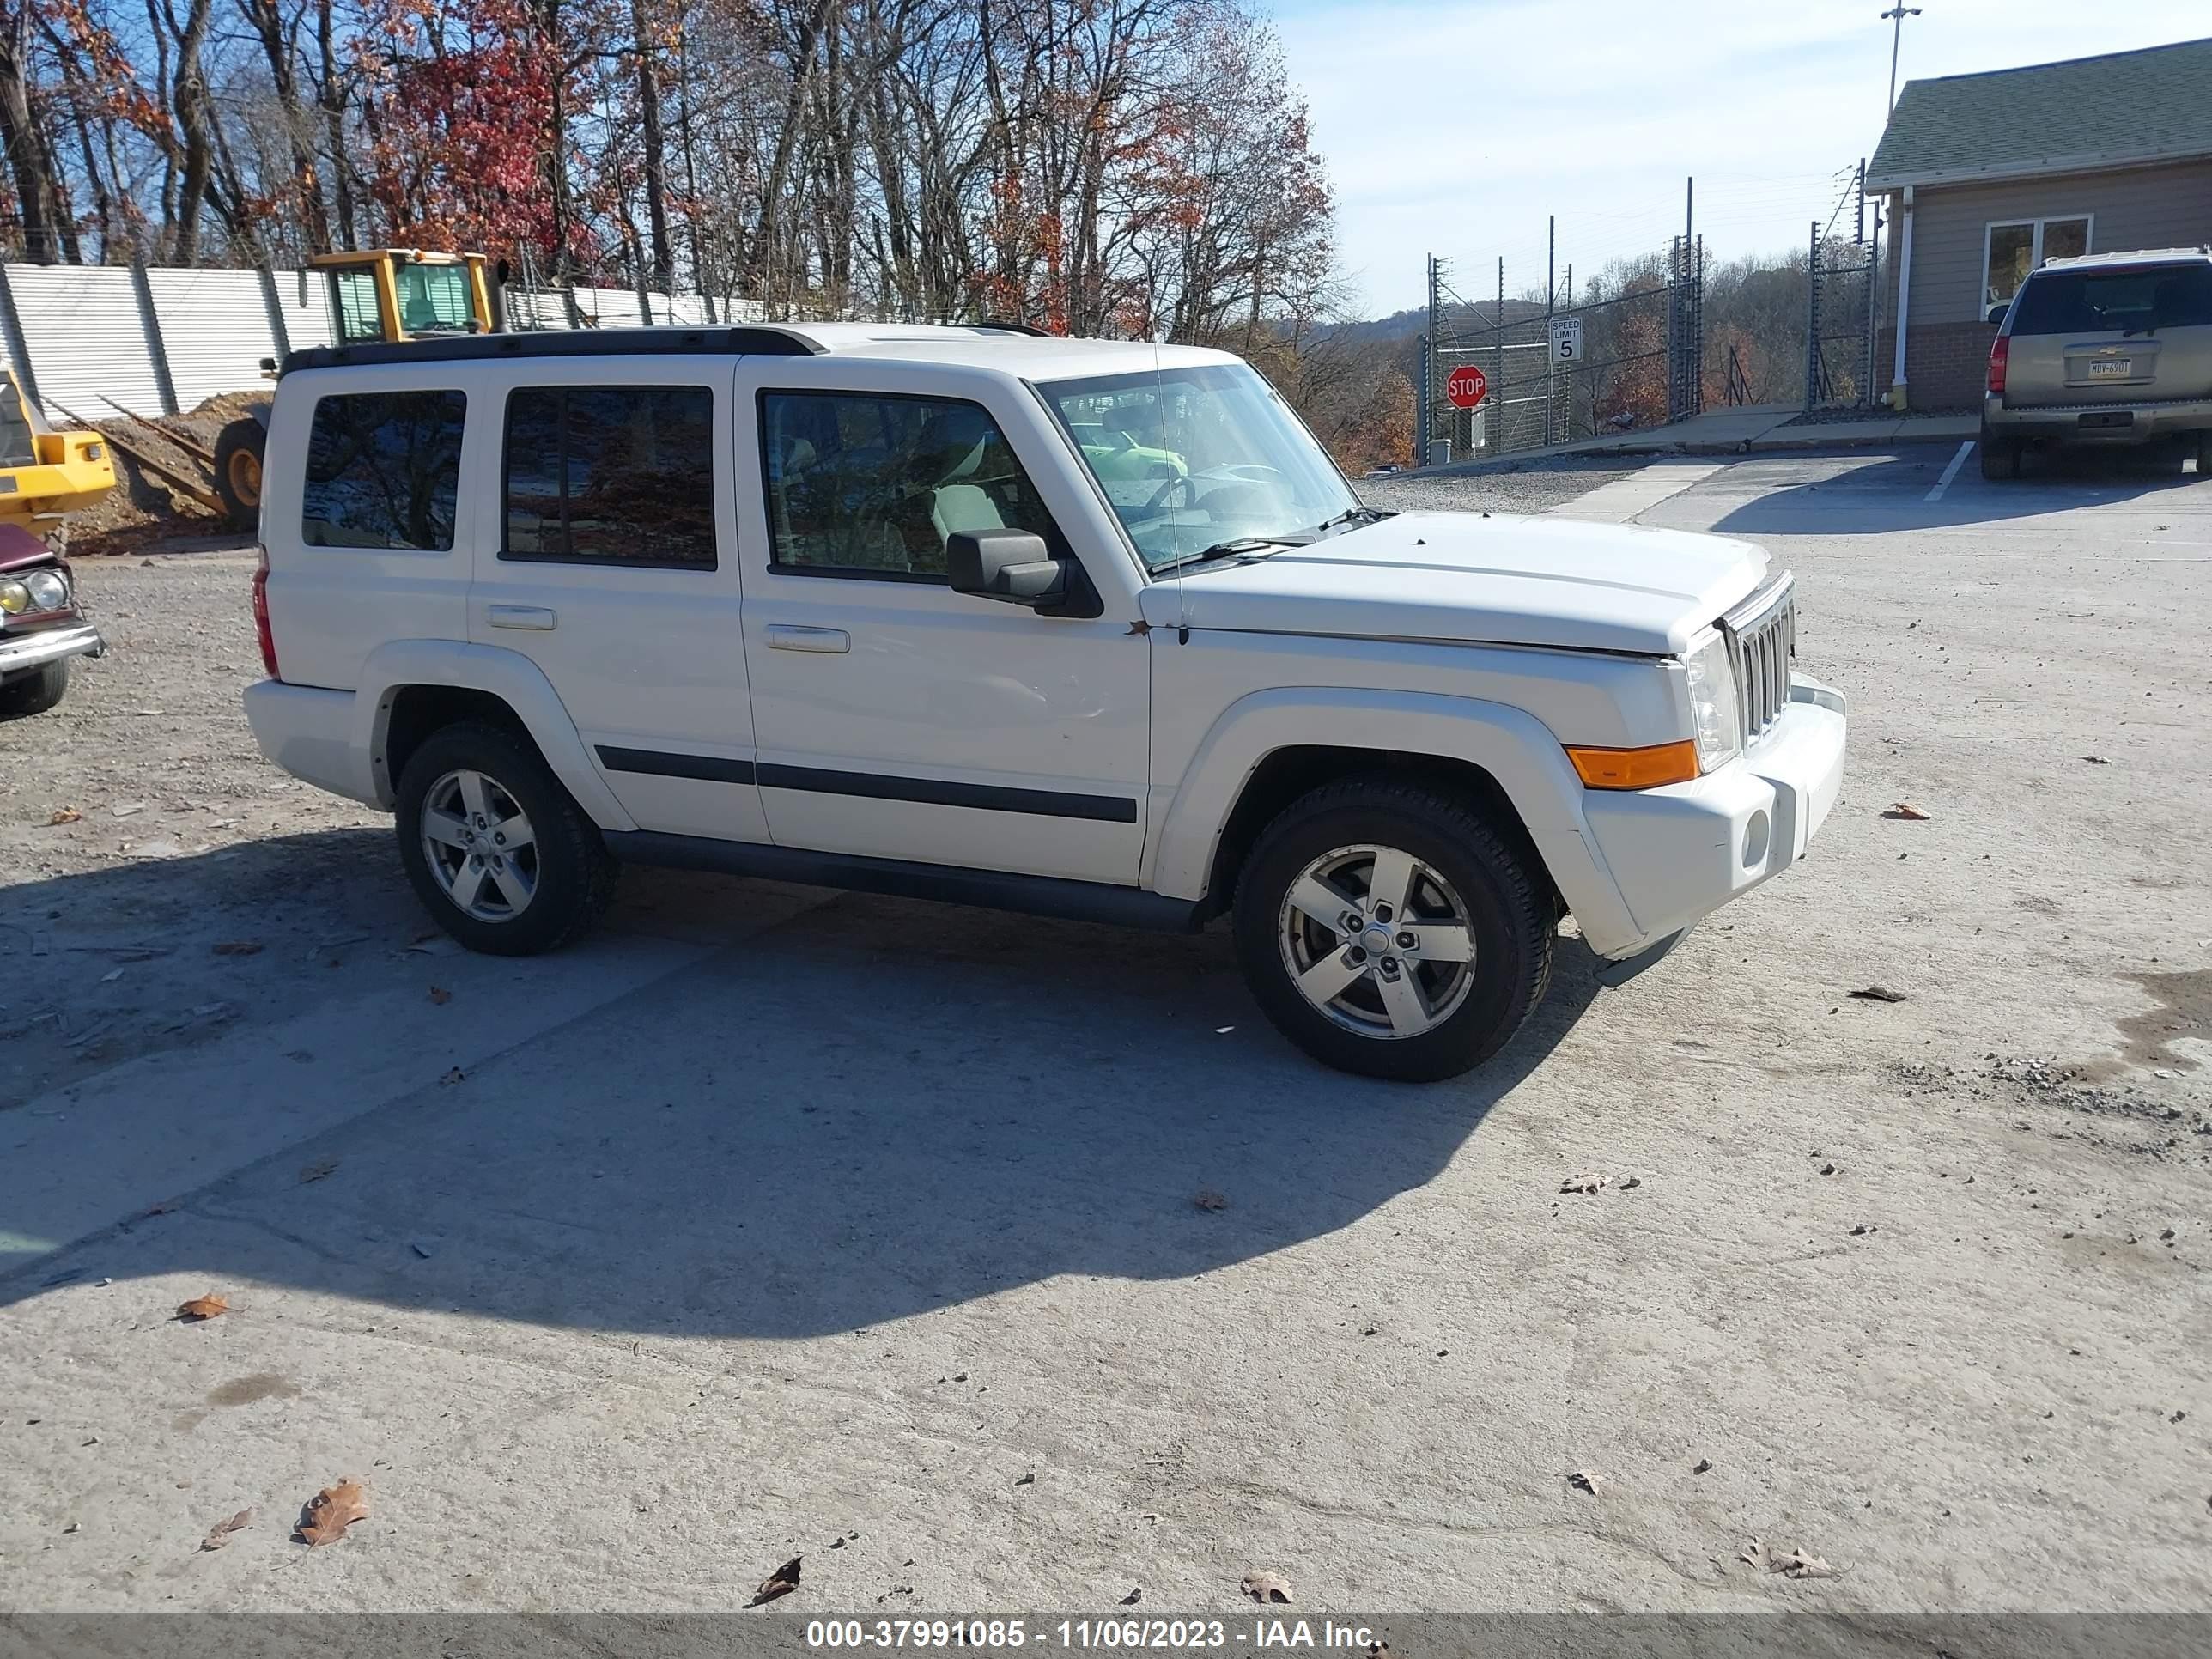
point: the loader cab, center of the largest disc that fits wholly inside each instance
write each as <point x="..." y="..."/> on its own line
<point x="390" y="295"/>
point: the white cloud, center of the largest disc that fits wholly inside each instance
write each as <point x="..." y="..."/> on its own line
<point x="1455" y="126"/>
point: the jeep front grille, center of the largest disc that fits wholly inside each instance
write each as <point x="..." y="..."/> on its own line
<point x="1762" y="636"/>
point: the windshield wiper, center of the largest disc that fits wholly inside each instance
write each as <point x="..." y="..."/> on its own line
<point x="1241" y="545"/>
<point x="1348" y="515"/>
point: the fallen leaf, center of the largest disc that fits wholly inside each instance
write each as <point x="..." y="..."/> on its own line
<point x="202" y="1307"/>
<point x="1629" y="1183"/>
<point x="317" y="1170"/>
<point x="1133" y="1597"/>
<point x="110" y="977"/>
<point x="440" y="995"/>
<point x="1028" y="1479"/>
<point x="1585" y="1183"/>
<point x="332" y="1511"/>
<point x="1207" y="1199"/>
<point x="1905" y="809"/>
<point x="1753" y="1551"/>
<point x="2096" y="760"/>
<point x="1798" y="1565"/>
<point x="781" y="1581"/>
<point x="238" y="947"/>
<point x="1879" y="993"/>
<point x="219" y="1535"/>
<point x="65" y="815"/>
<point x="457" y="1075"/>
<point x="1589" y="1480"/>
<point x="1266" y="1587"/>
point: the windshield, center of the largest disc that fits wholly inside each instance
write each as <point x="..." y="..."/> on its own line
<point x="434" y="299"/>
<point x="1194" y="457"/>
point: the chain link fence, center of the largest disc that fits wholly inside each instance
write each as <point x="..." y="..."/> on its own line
<point x="1557" y="371"/>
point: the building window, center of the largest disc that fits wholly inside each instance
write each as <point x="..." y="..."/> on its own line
<point x="612" y="475"/>
<point x="872" y="486"/>
<point x="383" y="468"/>
<point x="2014" y="249"/>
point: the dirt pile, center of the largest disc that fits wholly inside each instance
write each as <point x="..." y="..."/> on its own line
<point x="144" y="509"/>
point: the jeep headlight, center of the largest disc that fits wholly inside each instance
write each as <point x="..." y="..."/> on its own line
<point x="15" y="596"/>
<point x="1716" y="722"/>
<point x="47" y="589"/>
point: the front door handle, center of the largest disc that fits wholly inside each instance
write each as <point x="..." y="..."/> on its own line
<point x="521" y="616"/>
<point x="789" y="637"/>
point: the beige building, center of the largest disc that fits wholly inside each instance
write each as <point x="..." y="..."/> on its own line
<point x="1986" y="176"/>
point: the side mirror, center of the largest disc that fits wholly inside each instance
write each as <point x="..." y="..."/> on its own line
<point x="1996" y="312"/>
<point x="1013" y="565"/>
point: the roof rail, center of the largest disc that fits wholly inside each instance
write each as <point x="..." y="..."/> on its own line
<point x="745" y="340"/>
<point x="1029" y="329"/>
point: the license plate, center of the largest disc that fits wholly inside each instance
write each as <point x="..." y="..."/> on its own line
<point x="2111" y="368"/>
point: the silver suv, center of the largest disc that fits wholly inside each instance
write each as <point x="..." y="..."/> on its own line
<point x="2107" y="349"/>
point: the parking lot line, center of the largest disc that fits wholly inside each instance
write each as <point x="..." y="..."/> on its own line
<point x="1950" y="471"/>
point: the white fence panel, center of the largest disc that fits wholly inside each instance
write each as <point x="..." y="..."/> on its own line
<point x="80" y="324"/>
<point x="215" y="327"/>
<point x="609" y="307"/>
<point x="304" y="297"/>
<point x="533" y="308"/>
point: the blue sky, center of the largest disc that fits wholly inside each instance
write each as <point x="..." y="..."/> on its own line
<point x="1455" y="126"/>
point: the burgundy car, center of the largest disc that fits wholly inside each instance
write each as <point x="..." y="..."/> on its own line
<point x="41" y="626"/>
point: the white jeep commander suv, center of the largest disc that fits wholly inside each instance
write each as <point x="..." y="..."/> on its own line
<point x="1089" y="628"/>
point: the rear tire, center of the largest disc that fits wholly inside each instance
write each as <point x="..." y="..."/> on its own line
<point x="554" y="876"/>
<point x="36" y="692"/>
<point x="238" y="451"/>
<point x="2000" y="457"/>
<point x="1462" y="890"/>
<point x="2204" y="454"/>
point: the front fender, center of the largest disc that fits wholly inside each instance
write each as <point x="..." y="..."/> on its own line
<point x="1512" y="744"/>
<point x="506" y="675"/>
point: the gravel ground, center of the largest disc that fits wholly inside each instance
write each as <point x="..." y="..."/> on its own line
<point x="771" y="1221"/>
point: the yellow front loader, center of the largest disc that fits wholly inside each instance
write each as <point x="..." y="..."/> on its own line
<point x="45" y="474"/>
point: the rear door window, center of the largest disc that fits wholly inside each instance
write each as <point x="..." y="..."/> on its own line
<point x="383" y="471"/>
<point x="612" y="475"/>
<point x="2123" y="298"/>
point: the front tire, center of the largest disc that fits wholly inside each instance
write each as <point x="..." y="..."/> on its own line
<point x="1388" y="930"/>
<point x="495" y="847"/>
<point x="38" y="689"/>
<point x="238" y="451"/>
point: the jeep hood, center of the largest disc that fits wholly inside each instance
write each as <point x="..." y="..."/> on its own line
<point x="1468" y="577"/>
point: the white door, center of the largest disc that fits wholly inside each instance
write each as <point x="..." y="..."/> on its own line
<point x="607" y="554"/>
<point x="895" y="718"/>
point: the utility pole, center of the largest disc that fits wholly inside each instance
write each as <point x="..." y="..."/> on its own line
<point x="1895" y="16"/>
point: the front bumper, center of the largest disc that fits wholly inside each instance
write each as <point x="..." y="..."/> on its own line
<point x="2098" y="424"/>
<point x="36" y="647"/>
<point x="1678" y="852"/>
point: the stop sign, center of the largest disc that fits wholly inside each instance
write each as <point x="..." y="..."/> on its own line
<point x="1466" y="387"/>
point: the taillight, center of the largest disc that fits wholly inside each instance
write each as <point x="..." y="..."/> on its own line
<point x="2000" y="349"/>
<point x="261" y="616"/>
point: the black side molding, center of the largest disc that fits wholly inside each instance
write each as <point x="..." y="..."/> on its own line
<point x="990" y="889"/>
<point x="660" y="763"/>
<point x="872" y="785"/>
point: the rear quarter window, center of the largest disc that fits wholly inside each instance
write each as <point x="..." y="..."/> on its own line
<point x="384" y="470"/>
<point x="2139" y="297"/>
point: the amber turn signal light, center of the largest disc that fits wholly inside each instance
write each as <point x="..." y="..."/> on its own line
<point x="1636" y="768"/>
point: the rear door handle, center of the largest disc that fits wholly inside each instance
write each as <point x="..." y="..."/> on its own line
<point x="789" y="637"/>
<point x="521" y="616"/>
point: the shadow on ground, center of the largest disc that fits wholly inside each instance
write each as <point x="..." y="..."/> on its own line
<point x="1889" y="492"/>
<point x="867" y="1109"/>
